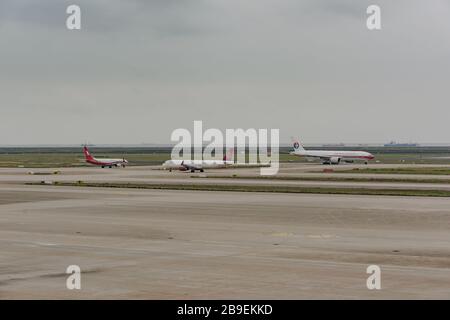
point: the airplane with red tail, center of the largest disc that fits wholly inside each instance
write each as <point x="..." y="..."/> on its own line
<point x="103" y="162"/>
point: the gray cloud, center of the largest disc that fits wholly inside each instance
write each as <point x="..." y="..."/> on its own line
<point x="310" y="68"/>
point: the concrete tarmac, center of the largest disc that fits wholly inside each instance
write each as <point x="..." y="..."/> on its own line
<point x="161" y="244"/>
<point x="153" y="174"/>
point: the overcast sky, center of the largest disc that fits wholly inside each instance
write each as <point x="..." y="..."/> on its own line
<point x="139" y="69"/>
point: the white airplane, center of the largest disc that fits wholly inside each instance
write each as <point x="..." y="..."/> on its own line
<point x="199" y="165"/>
<point x="103" y="162"/>
<point x="329" y="156"/>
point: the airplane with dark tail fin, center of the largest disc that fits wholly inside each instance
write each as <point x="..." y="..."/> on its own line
<point x="199" y="165"/>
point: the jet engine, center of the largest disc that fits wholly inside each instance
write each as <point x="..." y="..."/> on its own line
<point x="335" y="160"/>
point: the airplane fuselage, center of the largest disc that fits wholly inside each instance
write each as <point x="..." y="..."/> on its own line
<point x="107" y="162"/>
<point x="192" y="165"/>
<point x="335" y="157"/>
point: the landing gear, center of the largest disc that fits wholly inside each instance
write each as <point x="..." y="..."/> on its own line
<point x="201" y="170"/>
<point x="193" y="170"/>
<point x="103" y="167"/>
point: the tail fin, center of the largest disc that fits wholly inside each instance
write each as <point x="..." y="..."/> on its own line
<point x="87" y="154"/>
<point x="297" y="145"/>
<point x="229" y="155"/>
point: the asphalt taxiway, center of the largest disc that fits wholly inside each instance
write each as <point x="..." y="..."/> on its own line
<point x="210" y="245"/>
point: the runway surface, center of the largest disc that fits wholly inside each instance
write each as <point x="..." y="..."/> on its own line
<point x="162" y="244"/>
<point x="152" y="174"/>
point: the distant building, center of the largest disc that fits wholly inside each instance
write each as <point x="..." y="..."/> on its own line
<point x="328" y="145"/>
<point x="395" y="144"/>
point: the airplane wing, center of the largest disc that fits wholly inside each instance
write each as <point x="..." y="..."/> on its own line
<point x="191" y="166"/>
<point x="316" y="158"/>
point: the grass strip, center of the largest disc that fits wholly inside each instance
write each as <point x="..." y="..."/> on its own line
<point x="262" y="188"/>
<point x="424" y="171"/>
<point x="331" y="179"/>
